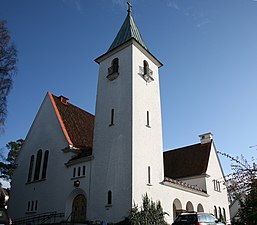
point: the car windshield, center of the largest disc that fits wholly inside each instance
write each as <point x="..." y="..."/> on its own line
<point x="186" y="218"/>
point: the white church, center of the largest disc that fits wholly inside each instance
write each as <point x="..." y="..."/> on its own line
<point x="77" y="167"/>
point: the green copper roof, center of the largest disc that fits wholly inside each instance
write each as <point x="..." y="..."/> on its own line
<point x="127" y="31"/>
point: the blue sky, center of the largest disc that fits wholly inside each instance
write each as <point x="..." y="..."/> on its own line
<point x="208" y="48"/>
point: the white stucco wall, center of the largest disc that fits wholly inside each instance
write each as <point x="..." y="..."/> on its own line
<point x="147" y="141"/>
<point x="112" y="144"/>
<point x="218" y="198"/>
<point x="52" y="192"/>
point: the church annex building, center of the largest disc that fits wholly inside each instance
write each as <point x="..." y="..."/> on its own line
<point x="88" y="167"/>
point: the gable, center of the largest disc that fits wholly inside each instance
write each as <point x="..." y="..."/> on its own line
<point x="214" y="167"/>
<point x="187" y="161"/>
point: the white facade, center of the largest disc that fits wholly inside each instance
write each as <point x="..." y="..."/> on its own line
<point x="134" y="137"/>
<point x="127" y="158"/>
<point x="55" y="192"/>
<point x="215" y="200"/>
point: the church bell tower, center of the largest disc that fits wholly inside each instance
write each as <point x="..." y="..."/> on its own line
<point x="127" y="148"/>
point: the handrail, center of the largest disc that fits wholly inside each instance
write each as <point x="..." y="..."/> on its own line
<point x="38" y="218"/>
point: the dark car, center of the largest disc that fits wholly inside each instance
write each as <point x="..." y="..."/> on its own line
<point x="196" y="219"/>
<point x="4" y="218"/>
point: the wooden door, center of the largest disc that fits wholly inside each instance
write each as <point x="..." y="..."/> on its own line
<point x="79" y="208"/>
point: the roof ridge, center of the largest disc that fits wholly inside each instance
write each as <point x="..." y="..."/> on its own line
<point x="59" y="118"/>
<point x="75" y="106"/>
<point x="187" y="146"/>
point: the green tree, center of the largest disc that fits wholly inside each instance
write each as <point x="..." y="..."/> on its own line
<point x="7" y="165"/>
<point x="150" y="213"/>
<point x="8" y="60"/>
<point x="248" y="207"/>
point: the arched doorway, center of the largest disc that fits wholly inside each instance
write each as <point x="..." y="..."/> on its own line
<point x="79" y="208"/>
<point x="177" y="208"/>
<point x="189" y="207"/>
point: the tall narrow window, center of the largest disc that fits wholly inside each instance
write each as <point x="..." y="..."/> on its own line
<point x="113" y="71"/>
<point x="31" y="165"/>
<point x="115" y="65"/>
<point x="147" y="73"/>
<point x="84" y="171"/>
<point x="146" y="67"/>
<point x="224" y="215"/>
<point x="149" y="175"/>
<point x="79" y="170"/>
<point x="32" y="206"/>
<point x="112" y="117"/>
<point x="147" y="119"/>
<point x="220" y="215"/>
<point x="28" y="208"/>
<point x="36" y="205"/>
<point x="109" y="200"/>
<point x="38" y="165"/>
<point x="74" y="172"/>
<point x="216" y="185"/>
<point x="45" y="164"/>
<point x="215" y="212"/>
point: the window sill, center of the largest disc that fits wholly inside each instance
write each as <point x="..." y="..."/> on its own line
<point x="75" y="178"/>
<point x="149" y="185"/>
<point x="112" y="76"/>
<point x="35" y="181"/>
<point x="108" y="206"/>
<point x="148" y="126"/>
<point x="32" y="212"/>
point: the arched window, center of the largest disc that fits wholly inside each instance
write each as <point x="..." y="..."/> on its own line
<point x="74" y="172"/>
<point x="45" y="164"/>
<point x="220" y="214"/>
<point x="28" y="208"/>
<point x="189" y="207"/>
<point x="146" y="67"/>
<point x="36" y="205"/>
<point x="109" y="199"/>
<point x="31" y="165"/>
<point x="177" y="208"/>
<point x="113" y="71"/>
<point x="79" y="171"/>
<point x="200" y="208"/>
<point x="84" y="171"/>
<point x="115" y="65"/>
<point x="215" y="212"/>
<point x="224" y="215"/>
<point x="32" y="206"/>
<point x="38" y="165"/>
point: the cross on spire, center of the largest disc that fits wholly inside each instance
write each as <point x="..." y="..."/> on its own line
<point x="129" y="7"/>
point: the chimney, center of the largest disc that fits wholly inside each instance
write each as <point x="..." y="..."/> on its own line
<point x="206" y="138"/>
<point x="63" y="100"/>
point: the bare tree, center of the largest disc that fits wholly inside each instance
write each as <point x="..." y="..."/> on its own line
<point x="242" y="187"/>
<point x="8" y="60"/>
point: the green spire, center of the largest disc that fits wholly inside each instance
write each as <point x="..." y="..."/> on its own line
<point x="127" y="31"/>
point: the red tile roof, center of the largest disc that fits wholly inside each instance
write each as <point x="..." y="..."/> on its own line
<point x="187" y="161"/>
<point x="77" y="124"/>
